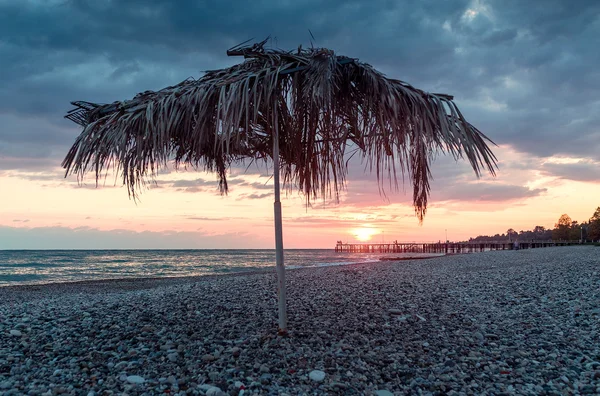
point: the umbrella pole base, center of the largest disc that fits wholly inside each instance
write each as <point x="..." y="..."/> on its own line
<point x="283" y="333"/>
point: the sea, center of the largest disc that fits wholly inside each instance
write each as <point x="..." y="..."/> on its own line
<point x="19" y="267"/>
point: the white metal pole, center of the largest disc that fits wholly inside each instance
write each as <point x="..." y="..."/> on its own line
<point x="281" y="292"/>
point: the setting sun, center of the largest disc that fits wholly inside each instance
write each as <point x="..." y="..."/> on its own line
<point x="364" y="233"/>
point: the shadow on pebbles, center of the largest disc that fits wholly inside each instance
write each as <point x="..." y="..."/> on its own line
<point x="513" y="322"/>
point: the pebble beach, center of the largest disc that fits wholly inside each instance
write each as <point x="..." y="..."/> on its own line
<point x="523" y="322"/>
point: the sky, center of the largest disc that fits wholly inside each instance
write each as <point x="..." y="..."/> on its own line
<point x="523" y="72"/>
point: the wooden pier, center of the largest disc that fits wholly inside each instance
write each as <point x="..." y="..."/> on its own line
<point x="446" y="248"/>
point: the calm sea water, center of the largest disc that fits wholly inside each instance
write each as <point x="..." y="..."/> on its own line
<point x="48" y="266"/>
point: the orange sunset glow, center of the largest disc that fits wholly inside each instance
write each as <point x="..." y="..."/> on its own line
<point x="184" y="209"/>
<point x="363" y="234"/>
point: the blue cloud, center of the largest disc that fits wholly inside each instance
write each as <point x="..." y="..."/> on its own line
<point x="531" y="57"/>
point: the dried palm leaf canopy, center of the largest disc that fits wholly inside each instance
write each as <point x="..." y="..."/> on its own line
<point x="321" y="107"/>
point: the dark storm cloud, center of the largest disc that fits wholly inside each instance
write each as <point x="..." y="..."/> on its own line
<point x="197" y="185"/>
<point x="244" y="197"/>
<point x="584" y="171"/>
<point x="255" y="185"/>
<point x="486" y="192"/>
<point x="524" y="72"/>
<point x="91" y="238"/>
<point x="192" y="183"/>
<point x="449" y="191"/>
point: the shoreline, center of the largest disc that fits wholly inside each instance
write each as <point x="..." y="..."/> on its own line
<point x="514" y="322"/>
<point x="419" y="258"/>
<point x="92" y="286"/>
<point x="191" y="278"/>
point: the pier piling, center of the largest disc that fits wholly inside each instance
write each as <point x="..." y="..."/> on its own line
<point x="447" y="248"/>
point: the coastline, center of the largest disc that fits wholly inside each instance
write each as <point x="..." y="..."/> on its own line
<point x="493" y="322"/>
<point x="47" y="266"/>
<point x="144" y="282"/>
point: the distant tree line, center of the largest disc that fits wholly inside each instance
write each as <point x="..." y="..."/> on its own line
<point x="564" y="229"/>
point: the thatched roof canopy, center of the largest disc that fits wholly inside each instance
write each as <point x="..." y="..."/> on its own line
<point x="321" y="105"/>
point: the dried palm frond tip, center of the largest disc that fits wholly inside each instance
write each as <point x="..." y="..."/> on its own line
<point x="321" y="105"/>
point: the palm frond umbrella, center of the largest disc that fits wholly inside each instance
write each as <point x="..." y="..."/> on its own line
<point x="306" y="110"/>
